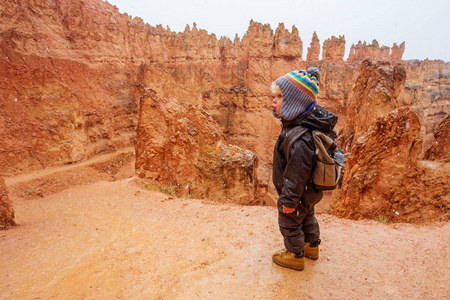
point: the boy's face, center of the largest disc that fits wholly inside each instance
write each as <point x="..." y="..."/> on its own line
<point x="276" y="104"/>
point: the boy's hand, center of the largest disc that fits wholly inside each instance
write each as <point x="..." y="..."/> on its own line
<point x="288" y="210"/>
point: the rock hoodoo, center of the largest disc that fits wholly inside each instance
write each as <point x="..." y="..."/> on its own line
<point x="314" y="49"/>
<point x="334" y="49"/>
<point x="362" y="51"/>
<point x="397" y="52"/>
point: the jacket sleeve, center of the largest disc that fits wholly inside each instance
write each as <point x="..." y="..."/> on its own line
<point x="298" y="171"/>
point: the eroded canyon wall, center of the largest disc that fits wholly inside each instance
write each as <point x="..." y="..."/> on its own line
<point x="427" y="91"/>
<point x="439" y="150"/>
<point x="182" y="147"/>
<point x="375" y="93"/>
<point x="66" y="82"/>
<point x="70" y="79"/>
<point x="384" y="177"/>
<point x="385" y="180"/>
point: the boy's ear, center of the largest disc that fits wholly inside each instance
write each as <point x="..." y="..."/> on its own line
<point x="276" y="90"/>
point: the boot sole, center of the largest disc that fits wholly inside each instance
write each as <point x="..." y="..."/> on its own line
<point x="312" y="257"/>
<point x="288" y="266"/>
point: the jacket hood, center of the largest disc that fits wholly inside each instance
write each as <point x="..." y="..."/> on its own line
<point x="317" y="118"/>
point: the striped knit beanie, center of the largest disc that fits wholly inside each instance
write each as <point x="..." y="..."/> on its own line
<point x="300" y="89"/>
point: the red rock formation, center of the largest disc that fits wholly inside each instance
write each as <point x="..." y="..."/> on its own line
<point x="67" y="93"/>
<point x="439" y="150"/>
<point x="184" y="148"/>
<point x="361" y="51"/>
<point x="334" y="49"/>
<point x="56" y="111"/>
<point x="6" y="207"/>
<point x="95" y="54"/>
<point x="384" y="179"/>
<point x="427" y="91"/>
<point x="313" y="49"/>
<point x="287" y="45"/>
<point x="375" y="93"/>
<point x="233" y="86"/>
<point x="397" y="52"/>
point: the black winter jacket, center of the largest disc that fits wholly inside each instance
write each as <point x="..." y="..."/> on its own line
<point x="292" y="178"/>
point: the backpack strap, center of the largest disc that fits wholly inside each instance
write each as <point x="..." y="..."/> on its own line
<point x="291" y="136"/>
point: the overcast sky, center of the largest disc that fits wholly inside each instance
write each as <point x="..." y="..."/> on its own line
<point x="423" y="25"/>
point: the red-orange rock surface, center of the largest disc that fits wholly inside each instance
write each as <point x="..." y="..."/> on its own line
<point x="6" y="207"/>
<point x="313" y="49"/>
<point x="334" y="49"/>
<point x="427" y="91"/>
<point x="362" y="51"/>
<point x="184" y="149"/>
<point x="375" y="93"/>
<point x="287" y="44"/>
<point x="66" y="89"/>
<point x="384" y="180"/>
<point x="440" y="149"/>
<point x="383" y="175"/>
<point x="397" y="52"/>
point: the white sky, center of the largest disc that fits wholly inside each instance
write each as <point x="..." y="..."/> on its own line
<point x="423" y="25"/>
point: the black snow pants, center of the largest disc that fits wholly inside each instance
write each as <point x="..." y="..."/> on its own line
<point x="301" y="225"/>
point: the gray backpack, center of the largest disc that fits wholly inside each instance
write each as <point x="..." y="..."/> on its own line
<point x="327" y="171"/>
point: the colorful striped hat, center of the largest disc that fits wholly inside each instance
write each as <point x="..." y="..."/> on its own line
<point x="300" y="89"/>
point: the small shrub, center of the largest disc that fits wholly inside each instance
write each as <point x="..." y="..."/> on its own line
<point x="28" y="191"/>
<point x="169" y="190"/>
<point x="188" y="196"/>
<point x="383" y="219"/>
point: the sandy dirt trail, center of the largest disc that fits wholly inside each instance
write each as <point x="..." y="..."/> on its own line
<point x="115" y="239"/>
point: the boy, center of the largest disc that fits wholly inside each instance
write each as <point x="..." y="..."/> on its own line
<point x="295" y="104"/>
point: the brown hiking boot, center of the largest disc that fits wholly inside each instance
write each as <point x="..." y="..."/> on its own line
<point x="312" y="252"/>
<point x="287" y="259"/>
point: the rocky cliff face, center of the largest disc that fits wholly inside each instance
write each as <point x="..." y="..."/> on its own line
<point x="183" y="148"/>
<point x="384" y="178"/>
<point x="74" y="72"/>
<point x="427" y="91"/>
<point x="6" y="207"/>
<point x="375" y="93"/>
<point x="67" y="82"/>
<point x="439" y="150"/>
